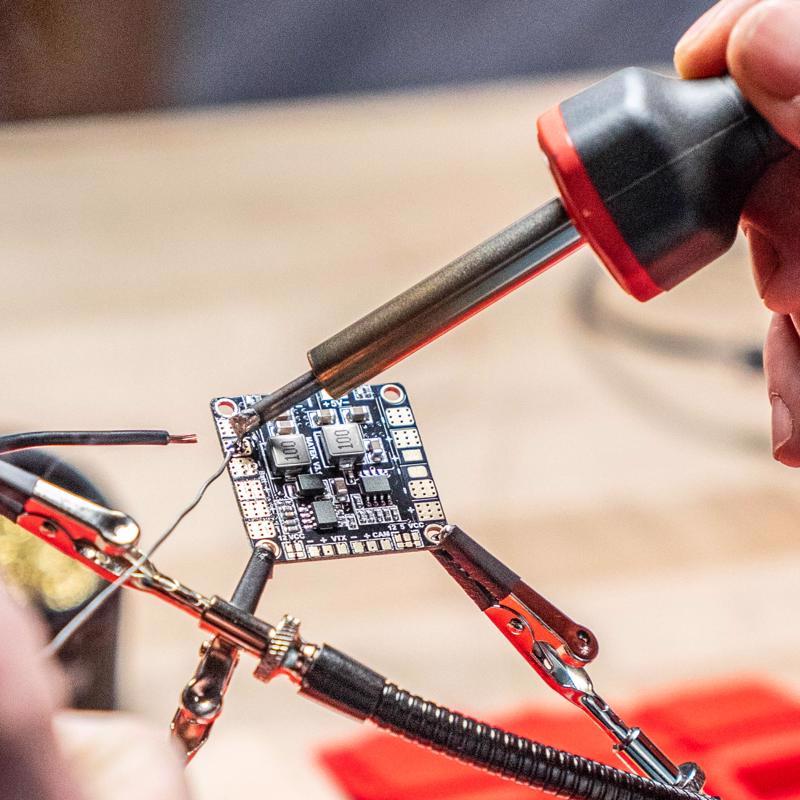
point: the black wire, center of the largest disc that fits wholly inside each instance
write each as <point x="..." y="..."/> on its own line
<point x="21" y="441"/>
<point x="597" y="317"/>
<point x="598" y="320"/>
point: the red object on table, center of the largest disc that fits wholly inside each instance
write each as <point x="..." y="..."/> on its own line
<point x="745" y="735"/>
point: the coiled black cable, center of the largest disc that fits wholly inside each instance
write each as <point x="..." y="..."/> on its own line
<point x="345" y="684"/>
<point x="512" y="756"/>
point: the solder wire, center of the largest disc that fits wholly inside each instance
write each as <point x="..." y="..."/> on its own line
<point x="61" y="638"/>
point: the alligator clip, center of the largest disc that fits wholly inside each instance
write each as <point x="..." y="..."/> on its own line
<point x="524" y="617"/>
<point x="101" y="538"/>
<point x="557" y="648"/>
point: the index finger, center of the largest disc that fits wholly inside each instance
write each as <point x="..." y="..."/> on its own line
<point x="700" y="53"/>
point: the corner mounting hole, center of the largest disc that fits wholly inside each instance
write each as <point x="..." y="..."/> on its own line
<point x="225" y="407"/>
<point x="392" y="394"/>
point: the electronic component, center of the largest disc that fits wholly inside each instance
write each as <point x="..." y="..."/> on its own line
<point x="326" y="416"/>
<point x="310" y="485"/>
<point x="250" y="490"/>
<point x="324" y="514"/>
<point x="344" y="444"/>
<point x="375" y="450"/>
<point x="357" y="414"/>
<point x="288" y="453"/>
<point x="372" y="485"/>
<point x="407" y="540"/>
<point x="284" y="427"/>
<point x="350" y="479"/>
<point x="261" y="529"/>
<point x="253" y="509"/>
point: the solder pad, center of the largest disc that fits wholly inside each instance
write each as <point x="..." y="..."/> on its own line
<point x="300" y="503"/>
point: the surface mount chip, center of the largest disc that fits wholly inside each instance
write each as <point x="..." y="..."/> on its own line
<point x="310" y="485"/>
<point x="324" y="515"/>
<point x="372" y="485"/>
<point x="288" y="453"/>
<point x="335" y="478"/>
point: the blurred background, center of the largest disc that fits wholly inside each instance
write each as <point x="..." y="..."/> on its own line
<point x="74" y="57"/>
<point x="193" y="194"/>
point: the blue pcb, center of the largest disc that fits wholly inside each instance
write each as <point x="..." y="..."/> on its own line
<point x="335" y="478"/>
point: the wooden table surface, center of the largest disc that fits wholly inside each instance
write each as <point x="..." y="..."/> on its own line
<point x="154" y="261"/>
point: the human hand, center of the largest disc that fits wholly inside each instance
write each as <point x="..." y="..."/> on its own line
<point x="51" y="755"/>
<point x="758" y="43"/>
<point x="115" y="755"/>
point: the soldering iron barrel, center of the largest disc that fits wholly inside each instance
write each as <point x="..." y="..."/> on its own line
<point x="442" y="300"/>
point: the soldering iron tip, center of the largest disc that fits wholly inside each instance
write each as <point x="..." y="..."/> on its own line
<point x="269" y="406"/>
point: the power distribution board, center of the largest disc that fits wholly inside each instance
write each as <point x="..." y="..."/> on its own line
<point x="334" y="478"/>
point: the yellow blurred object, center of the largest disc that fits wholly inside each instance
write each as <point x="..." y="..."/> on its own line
<point x="46" y="575"/>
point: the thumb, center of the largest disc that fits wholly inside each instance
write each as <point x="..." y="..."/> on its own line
<point x="763" y="56"/>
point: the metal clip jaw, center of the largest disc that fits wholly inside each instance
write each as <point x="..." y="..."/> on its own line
<point x="548" y="656"/>
<point x="101" y="538"/>
<point x="111" y="532"/>
<point x="202" y="698"/>
<point x="632" y="744"/>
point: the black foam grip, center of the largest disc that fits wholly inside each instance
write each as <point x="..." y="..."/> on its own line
<point x="253" y="580"/>
<point x="339" y="681"/>
<point x="479" y="563"/>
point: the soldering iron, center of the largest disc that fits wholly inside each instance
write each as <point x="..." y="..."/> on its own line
<point x="653" y="173"/>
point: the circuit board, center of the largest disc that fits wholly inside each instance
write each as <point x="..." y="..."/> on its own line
<point x="334" y="478"/>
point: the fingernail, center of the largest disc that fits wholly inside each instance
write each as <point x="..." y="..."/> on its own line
<point x="709" y="19"/>
<point x="695" y="30"/>
<point x="765" y="259"/>
<point x="782" y="424"/>
<point x="768" y="46"/>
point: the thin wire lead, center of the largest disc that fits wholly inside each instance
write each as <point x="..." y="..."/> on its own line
<point x="61" y="638"/>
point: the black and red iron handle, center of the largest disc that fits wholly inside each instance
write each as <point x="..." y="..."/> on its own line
<point x="653" y="173"/>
